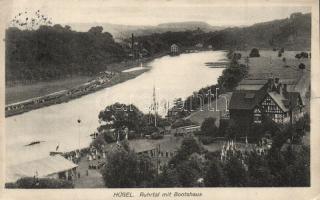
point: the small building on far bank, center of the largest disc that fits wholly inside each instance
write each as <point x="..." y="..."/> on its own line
<point x="174" y="49"/>
<point x="56" y="167"/>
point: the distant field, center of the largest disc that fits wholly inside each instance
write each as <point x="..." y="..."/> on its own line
<point x="23" y="92"/>
<point x="270" y="64"/>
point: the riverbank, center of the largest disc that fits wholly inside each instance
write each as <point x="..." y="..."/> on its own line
<point x="24" y="98"/>
<point x="22" y="91"/>
<point x="63" y="96"/>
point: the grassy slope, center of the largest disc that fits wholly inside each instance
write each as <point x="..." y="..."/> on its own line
<point x="23" y="92"/>
<point x="269" y="62"/>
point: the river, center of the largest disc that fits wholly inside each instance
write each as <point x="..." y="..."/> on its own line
<point x="172" y="77"/>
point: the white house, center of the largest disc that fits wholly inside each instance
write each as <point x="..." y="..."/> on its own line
<point x="50" y="167"/>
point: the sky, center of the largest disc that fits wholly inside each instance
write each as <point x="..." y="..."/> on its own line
<point x="152" y="12"/>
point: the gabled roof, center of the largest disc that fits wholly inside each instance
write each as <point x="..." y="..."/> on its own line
<point x="280" y="100"/>
<point x="43" y="167"/>
<point x="284" y="102"/>
<point x="246" y="99"/>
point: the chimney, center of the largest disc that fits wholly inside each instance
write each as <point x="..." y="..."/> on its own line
<point x="284" y="90"/>
<point x="279" y="88"/>
<point x="270" y="83"/>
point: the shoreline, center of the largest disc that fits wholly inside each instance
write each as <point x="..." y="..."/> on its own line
<point x="101" y="81"/>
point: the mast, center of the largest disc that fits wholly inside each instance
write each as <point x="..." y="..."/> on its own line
<point x="155" y="107"/>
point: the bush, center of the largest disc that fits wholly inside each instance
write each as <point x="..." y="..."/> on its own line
<point x="302" y="66"/>
<point x="298" y="56"/>
<point x="181" y="123"/>
<point x="31" y="182"/>
<point x="254" y="53"/>
<point x="208" y="127"/>
<point x="206" y="139"/>
<point x="302" y="55"/>
<point x="156" y="136"/>
<point x="11" y="185"/>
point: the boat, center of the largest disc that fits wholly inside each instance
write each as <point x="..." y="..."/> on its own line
<point x="34" y="143"/>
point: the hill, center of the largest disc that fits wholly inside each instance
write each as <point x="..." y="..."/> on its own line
<point x="292" y="33"/>
<point x="120" y="31"/>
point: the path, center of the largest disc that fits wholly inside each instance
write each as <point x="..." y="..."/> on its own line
<point x="94" y="178"/>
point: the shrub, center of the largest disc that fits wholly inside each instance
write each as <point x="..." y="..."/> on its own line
<point x="298" y="56"/>
<point x="31" y="182"/>
<point x="254" y="53"/>
<point x="206" y="139"/>
<point x="302" y="66"/>
<point x="208" y="127"/>
<point x="156" y="136"/>
<point x="181" y="123"/>
<point x="11" y="185"/>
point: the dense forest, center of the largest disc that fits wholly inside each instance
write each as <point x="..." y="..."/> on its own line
<point x="52" y="52"/>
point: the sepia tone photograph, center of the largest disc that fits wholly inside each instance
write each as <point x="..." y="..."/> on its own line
<point x="148" y="94"/>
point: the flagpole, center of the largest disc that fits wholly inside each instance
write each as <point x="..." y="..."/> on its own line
<point x="79" y="121"/>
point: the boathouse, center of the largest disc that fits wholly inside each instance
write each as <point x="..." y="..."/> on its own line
<point x="50" y="167"/>
<point x="255" y="100"/>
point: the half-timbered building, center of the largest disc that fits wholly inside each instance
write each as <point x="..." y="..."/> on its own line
<point x="256" y="100"/>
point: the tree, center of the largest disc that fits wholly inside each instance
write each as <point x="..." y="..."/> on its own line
<point x="188" y="173"/>
<point x="299" y="170"/>
<point x="236" y="173"/>
<point x="189" y="146"/>
<point x="254" y="53"/>
<point x="98" y="142"/>
<point x="302" y="66"/>
<point x="214" y="176"/>
<point x="125" y="169"/>
<point x="208" y="127"/>
<point x="96" y="30"/>
<point x="120" y="116"/>
<point x="168" y="178"/>
<point x="258" y="171"/>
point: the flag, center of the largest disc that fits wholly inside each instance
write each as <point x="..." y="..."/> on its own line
<point x="57" y="147"/>
<point x="246" y="140"/>
<point x="118" y="139"/>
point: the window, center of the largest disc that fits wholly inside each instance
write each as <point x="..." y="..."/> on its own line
<point x="257" y="117"/>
